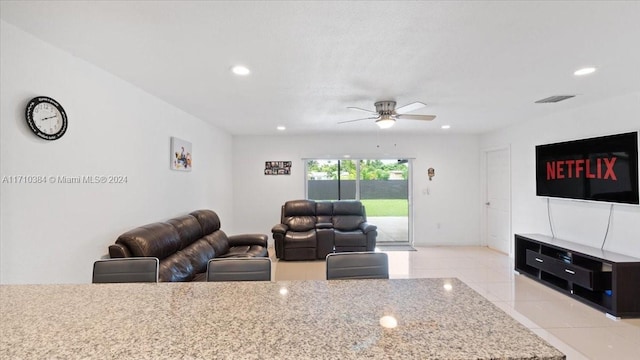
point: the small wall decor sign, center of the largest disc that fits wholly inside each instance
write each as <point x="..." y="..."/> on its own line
<point x="277" y="167"/>
<point x="181" y="155"/>
<point x="431" y="172"/>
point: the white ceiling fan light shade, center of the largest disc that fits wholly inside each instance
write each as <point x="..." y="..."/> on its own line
<point x="385" y="122"/>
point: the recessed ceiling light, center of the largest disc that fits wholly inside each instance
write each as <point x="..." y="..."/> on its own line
<point x="281" y="128"/>
<point x="240" y="70"/>
<point x="445" y="127"/>
<point x="584" y="71"/>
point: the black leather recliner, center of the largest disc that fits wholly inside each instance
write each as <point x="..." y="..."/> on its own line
<point x="351" y="230"/>
<point x="295" y="237"/>
<point x="310" y="230"/>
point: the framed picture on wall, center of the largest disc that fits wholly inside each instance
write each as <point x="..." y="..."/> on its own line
<point x="181" y="155"/>
<point x="277" y="167"/>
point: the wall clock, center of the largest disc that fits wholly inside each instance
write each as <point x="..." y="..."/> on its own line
<point x="46" y="118"/>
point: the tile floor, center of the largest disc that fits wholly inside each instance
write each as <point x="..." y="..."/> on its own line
<point x="577" y="330"/>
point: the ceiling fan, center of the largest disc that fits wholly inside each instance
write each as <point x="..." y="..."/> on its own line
<point x="386" y="113"/>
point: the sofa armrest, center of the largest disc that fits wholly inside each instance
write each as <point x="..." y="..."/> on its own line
<point x="118" y="251"/>
<point x="366" y="227"/>
<point x="248" y="239"/>
<point x="279" y="229"/>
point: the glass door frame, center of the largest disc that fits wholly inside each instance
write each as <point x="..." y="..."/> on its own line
<point x="357" y="185"/>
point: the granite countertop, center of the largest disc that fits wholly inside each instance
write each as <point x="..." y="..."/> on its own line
<point x="436" y="319"/>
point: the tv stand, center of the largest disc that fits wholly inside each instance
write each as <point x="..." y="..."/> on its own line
<point x="605" y="280"/>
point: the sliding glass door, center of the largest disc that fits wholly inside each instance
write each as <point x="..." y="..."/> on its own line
<point x="381" y="184"/>
<point x="331" y="180"/>
<point x="384" y="191"/>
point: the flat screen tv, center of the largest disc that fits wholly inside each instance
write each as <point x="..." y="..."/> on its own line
<point x="599" y="169"/>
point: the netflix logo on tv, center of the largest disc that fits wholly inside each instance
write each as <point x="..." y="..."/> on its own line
<point x="568" y="169"/>
<point x="601" y="169"/>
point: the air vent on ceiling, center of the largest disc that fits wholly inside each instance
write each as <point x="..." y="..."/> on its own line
<point x="554" y="99"/>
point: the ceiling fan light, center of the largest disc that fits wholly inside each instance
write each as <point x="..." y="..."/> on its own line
<point x="241" y="70"/>
<point x="385" y="122"/>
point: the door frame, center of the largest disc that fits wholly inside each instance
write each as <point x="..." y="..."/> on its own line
<point x="484" y="185"/>
<point x="410" y="165"/>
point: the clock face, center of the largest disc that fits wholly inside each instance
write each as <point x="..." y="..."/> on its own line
<point x="46" y="118"/>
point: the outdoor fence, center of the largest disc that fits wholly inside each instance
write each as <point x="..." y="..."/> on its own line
<point x="369" y="189"/>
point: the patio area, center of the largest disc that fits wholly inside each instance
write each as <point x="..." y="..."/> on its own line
<point x="391" y="229"/>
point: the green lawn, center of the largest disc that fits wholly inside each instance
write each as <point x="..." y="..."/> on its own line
<point x="386" y="207"/>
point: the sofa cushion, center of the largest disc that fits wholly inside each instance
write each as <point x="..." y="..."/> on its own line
<point x="176" y="267"/>
<point x="199" y="254"/>
<point x="299" y="215"/>
<point x="347" y="215"/>
<point x="219" y="242"/>
<point x="299" y="208"/>
<point x="246" y="251"/>
<point x="347" y="223"/>
<point x="347" y="208"/>
<point x="209" y="220"/>
<point x="297" y="239"/>
<point x="324" y="210"/>
<point x="301" y="223"/>
<point x="156" y="240"/>
<point x="188" y="229"/>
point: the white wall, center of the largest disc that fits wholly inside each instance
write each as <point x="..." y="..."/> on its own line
<point x="52" y="233"/>
<point x="583" y="222"/>
<point x="454" y="194"/>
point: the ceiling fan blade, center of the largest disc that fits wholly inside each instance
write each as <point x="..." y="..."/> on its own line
<point x="416" y="117"/>
<point x="359" y="109"/>
<point x="348" y="121"/>
<point x="410" y="107"/>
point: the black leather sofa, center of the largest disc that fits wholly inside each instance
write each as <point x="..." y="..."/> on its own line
<point x="185" y="244"/>
<point x="310" y="230"/>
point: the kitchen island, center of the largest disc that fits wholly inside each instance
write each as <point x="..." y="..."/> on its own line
<point x="339" y="319"/>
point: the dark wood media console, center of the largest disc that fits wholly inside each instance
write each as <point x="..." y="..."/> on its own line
<point x="605" y="280"/>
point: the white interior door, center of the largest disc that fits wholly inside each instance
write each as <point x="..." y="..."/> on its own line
<point x="498" y="200"/>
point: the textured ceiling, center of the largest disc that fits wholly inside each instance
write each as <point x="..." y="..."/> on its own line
<point x="479" y="66"/>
